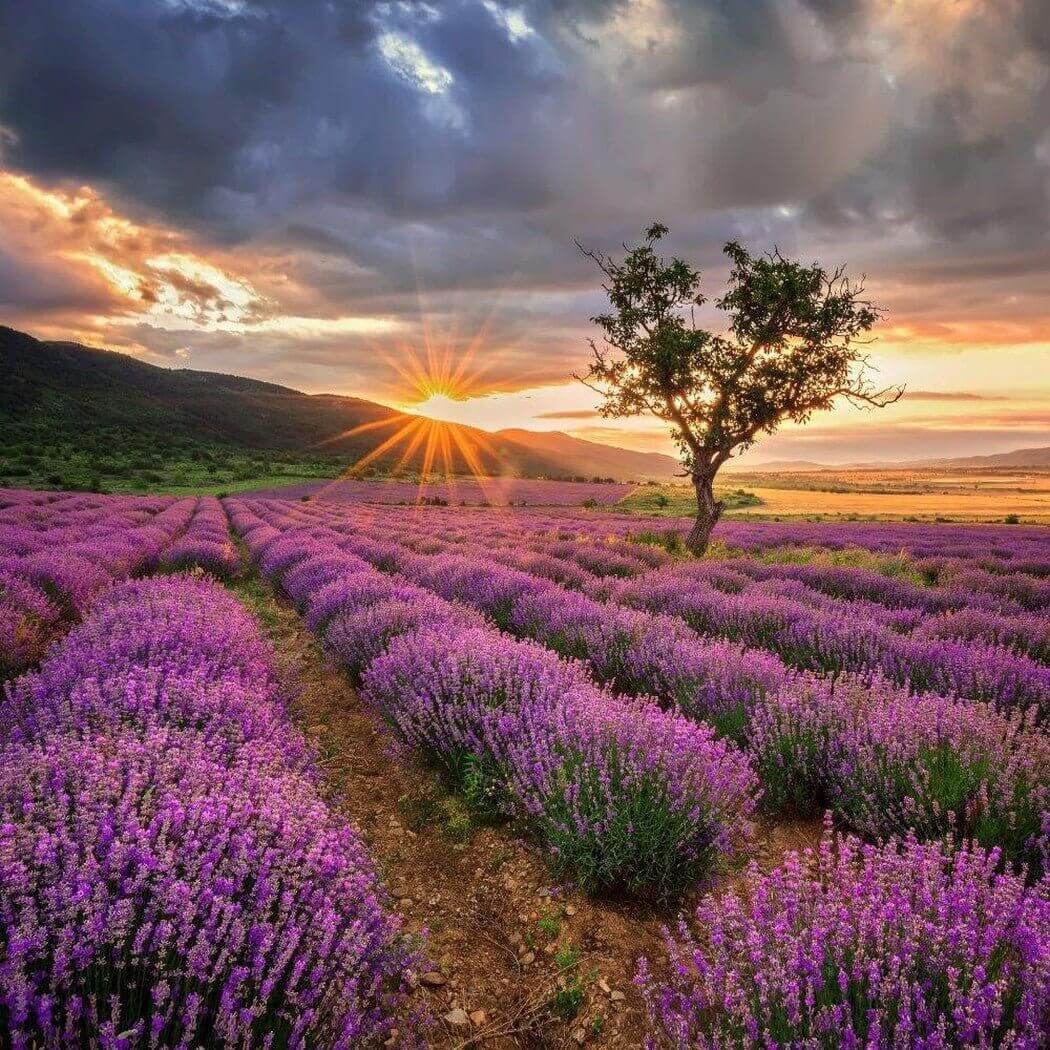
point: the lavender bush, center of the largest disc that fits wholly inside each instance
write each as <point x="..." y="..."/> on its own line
<point x="169" y="874"/>
<point x="356" y="636"/>
<point x="206" y="543"/>
<point x="152" y="894"/>
<point x="887" y="762"/>
<point x="625" y="796"/>
<point x="906" y="945"/>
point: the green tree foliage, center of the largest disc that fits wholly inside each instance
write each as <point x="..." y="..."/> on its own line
<point x="792" y="345"/>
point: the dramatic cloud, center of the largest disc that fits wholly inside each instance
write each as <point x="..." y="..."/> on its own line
<point x="312" y="192"/>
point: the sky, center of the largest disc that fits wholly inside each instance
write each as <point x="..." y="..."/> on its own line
<point x="380" y="198"/>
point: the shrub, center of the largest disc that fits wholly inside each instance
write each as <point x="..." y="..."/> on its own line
<point x="625" y="796"/>
<point x="630" y="798"/>
<point x="214" y="905"/>
<point x="888" y="762"/>
<point x="936" y="766"/>
<point x="357" y="635"/>
<point x="169" y="874"/>
<point x="903" y="945"/>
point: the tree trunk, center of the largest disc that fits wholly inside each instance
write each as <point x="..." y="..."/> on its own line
<point x="708" y="511"/>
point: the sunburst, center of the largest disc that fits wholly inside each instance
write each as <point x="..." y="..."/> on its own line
<point x="443" y="449"/>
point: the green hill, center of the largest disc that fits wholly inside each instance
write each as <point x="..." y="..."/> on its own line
<point x="78" y="417"/>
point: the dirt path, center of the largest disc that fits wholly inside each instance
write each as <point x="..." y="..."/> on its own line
<point x="518" y="961"/>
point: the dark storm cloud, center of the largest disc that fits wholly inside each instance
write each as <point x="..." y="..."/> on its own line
<point x="236" y="115"/>
<point x="968" y="156"/>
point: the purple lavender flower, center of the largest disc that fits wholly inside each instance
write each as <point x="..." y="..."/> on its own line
<point x="624" y="795"/>
<point x="169" y="873"/>
<point x="903" y="945"/>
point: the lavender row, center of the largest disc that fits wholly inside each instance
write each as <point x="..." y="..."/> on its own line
<point x="907" y="945"/>
<point x="57" y="557"/>
<point x="848" y="638"/>
<point x="169" y="873"/>
<point x="466" y="491"/>
<point x="962" y="590"/>
<point x="971" y="607"/>
<point x="893" y="580"/>
<point x="941" y="656"/>
<point x="206" y="543"/>
<point x="996" y="548"/>
<point x="993" y="548"/>
<point x="950" y="613"/>
<point x="58" y="554"/>
<point x="885" y="760"/>
<point x="621" y="794"/>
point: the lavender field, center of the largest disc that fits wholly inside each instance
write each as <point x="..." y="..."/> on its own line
<point x="795" y="793"/>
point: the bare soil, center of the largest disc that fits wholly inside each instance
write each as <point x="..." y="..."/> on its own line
<point x="503" y="938"/>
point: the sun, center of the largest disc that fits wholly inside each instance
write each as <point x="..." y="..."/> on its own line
<point x="424" y="436"/>
<point x="441" y="407"/>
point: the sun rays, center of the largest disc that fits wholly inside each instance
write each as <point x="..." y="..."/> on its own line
<point x="413" y="442"/>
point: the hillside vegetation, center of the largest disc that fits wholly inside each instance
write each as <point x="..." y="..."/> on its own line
<point x="78" y="417"/>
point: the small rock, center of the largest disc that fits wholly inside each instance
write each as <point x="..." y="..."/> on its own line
<point x="433" y="979"/>
<point x="526" y="960"/>
<point x="579" y="1036"/>
<point x="457" y="1016"/>
<point x="570" y="909"/>
<point x="477" y="1018"/>
<point x="603" y="984"/>
<point x="617" y="997"/>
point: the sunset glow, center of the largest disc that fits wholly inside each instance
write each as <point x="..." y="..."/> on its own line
<point x="447" y="409"/>
<point x="146" y="282"/>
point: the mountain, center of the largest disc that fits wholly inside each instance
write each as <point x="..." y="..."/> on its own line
<point x="1019" y="457"/>
<point x="64" y="395"/>
<point x="606" y="460"/>
<point x="774" y="466"/>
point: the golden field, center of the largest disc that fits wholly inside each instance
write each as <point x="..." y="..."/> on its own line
<point x="961" y="495"/>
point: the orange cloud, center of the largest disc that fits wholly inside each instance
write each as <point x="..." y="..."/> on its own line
<point x="107" y="271"/>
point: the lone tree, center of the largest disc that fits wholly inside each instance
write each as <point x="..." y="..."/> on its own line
<point x="793" y="346"/>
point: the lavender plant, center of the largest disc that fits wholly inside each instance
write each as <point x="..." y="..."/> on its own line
<point x="908" y="944"/>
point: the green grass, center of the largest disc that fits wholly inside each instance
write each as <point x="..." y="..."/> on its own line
<point x="133" y="463"/>
<point x="677" y="501"/>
